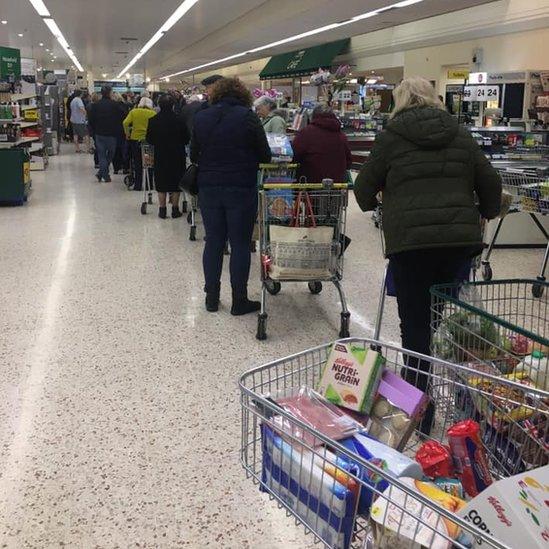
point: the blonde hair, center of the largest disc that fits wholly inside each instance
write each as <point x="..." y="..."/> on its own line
<point x="415" y="91"/>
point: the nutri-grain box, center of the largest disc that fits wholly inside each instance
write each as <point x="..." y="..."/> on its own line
<point x="351" y="376"/>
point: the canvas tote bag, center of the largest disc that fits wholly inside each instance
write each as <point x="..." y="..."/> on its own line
<point x="301" y="253"/>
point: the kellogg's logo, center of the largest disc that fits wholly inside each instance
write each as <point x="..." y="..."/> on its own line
<point x="500" y="511"/>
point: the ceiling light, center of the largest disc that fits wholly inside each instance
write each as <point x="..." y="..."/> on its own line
<point x="56" y="31"/>
<point x="128" y="75"/>
<point x="183" y="8"/>
<point x="104" y="75"/>
<point x="148" y="79"/>
<point x="47" y="49"/>
<point x="41" y="44"/>
<point x="4" y="22"/>
<point x="312" y="32"/>
<point x="19" y="34"/>
<point x="167" y="79"/>
<point x="40" y="7"/>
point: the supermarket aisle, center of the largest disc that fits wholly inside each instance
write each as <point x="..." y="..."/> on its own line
<point x="119" y="410"/>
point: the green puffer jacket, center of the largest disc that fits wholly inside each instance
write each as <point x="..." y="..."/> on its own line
<point x="432" y="174"/>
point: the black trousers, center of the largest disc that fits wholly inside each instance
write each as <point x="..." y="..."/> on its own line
<point x="414" y="273"/>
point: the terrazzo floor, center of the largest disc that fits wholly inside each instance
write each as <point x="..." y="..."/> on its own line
<point x="119" y="405"/>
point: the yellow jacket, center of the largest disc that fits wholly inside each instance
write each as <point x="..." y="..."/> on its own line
<point x="138" y="119"/>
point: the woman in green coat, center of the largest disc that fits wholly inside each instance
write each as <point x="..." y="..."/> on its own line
<point x="265" y="107"/>
<point x="437" y="185"/>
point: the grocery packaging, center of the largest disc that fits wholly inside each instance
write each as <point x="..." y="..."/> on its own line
<point x="435" y="459"/>
<point x="514" y="510"/>
<point x="383" y="457"/>
<point x="351" y="376"/>
<point x="403" y="527"/>
<point x="293" y="475"/>
<point x="316" y="412"/>
<point x="469" y="456"/>
<point x="451" y="486"/>
<point x="396" y="411"/>
<point x="536" y="367"/>
<point x="499" y="403"/>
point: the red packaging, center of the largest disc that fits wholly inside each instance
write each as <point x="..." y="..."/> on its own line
<point x="435" y="459"/>
<point x="469" y="456"/>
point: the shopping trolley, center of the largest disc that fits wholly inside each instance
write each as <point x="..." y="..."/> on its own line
<point x="191" y="217"/>
<point x="301" y="239"/>
<point x="339" y="496"/>
<point x="147" y="158"/>
<point x="529" y="190"/>
<point x="496" y="323"/>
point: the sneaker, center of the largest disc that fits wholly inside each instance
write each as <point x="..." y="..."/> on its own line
<point x="99" y="178"/>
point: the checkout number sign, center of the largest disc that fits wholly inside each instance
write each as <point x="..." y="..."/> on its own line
<point x="481" y="93"/>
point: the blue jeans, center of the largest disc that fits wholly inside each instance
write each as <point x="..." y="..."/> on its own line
<point x="228" y="213"/>
<point x="106" y="147"/>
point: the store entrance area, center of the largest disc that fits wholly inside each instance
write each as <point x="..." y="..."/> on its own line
<point x="120" y="417"/>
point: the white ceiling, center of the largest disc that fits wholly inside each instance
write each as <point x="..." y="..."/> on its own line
<point x="213" y="29"/>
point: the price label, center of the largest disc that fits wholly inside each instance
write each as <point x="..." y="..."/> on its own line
<point x="481" y="93"/>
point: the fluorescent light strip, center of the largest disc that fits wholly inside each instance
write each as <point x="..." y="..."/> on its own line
<point x="183" y="8"/>
<point x="312" y="32"/>
<point x="43" y="12"/>
<point x="41" y="8"/>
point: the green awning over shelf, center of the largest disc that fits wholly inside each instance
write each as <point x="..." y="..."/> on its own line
<point x="303" y="62"/>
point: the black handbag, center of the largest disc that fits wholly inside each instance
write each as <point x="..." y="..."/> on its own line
<point x="189" y="181"/>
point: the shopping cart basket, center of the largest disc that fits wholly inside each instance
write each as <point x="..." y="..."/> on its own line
<point x="530" y="194"/>
<point x="493" y="322"/>
<point x="302" y="239"/>
<point x="147" y="158"/>
<point x="308" y="474"/>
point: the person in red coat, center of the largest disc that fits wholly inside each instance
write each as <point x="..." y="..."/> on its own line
<point x="321" y="149"/>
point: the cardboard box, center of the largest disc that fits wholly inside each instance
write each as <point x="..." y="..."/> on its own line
<point x="514" y="510"/>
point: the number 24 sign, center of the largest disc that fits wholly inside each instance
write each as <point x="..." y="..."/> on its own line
<point x="481" y="93"/>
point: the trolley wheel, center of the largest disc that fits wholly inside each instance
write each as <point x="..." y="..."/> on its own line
<point x="487" y="273"/>
<point x="537" y="290"/>
<point x="344" y="327"/>
<point x="273" y="286"/>
<point x="261" y="327"/>
<point x="192" y="234"/>
<point x="315" y="287"/>
<point x="144" y="208"/>
<point x="150" y="198"/>
<point x="128" y="182"/>
<point x="184" y="206"/>
<point x="190" y="218"/>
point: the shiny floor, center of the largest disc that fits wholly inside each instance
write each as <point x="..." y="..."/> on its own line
<point x="119" y="406"/>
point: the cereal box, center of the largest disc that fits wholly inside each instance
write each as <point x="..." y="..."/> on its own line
<point x="351" y="377"/>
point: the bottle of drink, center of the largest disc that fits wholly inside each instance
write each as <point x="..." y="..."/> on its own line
<point x="536" y="367"/>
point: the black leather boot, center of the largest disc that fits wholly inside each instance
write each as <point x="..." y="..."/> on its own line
<point x="212" y="300"/>
<point x="176" y="212"/>
<point x="162" y="212"/>
<point x="242" y="305"/>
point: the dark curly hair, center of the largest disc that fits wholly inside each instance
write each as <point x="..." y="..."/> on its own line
<point x="231" y="87"/>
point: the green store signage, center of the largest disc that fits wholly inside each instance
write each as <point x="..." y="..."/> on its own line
<point x="10" y="62"/>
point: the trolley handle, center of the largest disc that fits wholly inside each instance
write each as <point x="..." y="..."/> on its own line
<point x="305" y="186"/>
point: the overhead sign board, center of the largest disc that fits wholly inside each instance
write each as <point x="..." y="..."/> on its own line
<point x="10" y="62"/>
<point x="478" y="78"/>
<point x="458" y="74"/>
<point x="481" y="93"/>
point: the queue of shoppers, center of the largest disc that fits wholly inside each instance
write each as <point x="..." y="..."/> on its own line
<point x="435" y="181"/>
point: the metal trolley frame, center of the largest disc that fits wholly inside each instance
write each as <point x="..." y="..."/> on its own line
<point x="328" y="208"/>
<point x="530" y="194"/>
<point x="284" y="468"/>
<point x="147" y="158"/>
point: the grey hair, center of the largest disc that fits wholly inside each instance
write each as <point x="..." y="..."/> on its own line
<point x="145" y="103"/>
<point x="415" y="91"/>
<point x="267" y="101"/>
